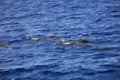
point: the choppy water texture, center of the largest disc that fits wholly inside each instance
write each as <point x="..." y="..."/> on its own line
<point x="95" y="20"/>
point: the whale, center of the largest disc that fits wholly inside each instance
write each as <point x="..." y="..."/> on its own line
<point x="5" y="44"/>
<point x="35" y="38"/>
<point x="67" y="43"/>
<point x="51" y="37"/>
<point x="81" y="41"/>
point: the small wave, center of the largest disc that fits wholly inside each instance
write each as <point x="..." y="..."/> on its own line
<point x="15" y="30"/>
<point x="103" y="48"/>
<point x="16" y="41"/>
<point x="104" y="55"/>
<point x="108" y="71"/>
<point x="106" y="48"/>
<point x="39" y="69"/>
<point x="111" y="66"/>
<point x="77" y="79"/>
<point x="12" y="23"/>
<point x="115" y="16"/>
<point x="98" y="20"/>
<point x="22" y="17"/>
<point x="53" y="73"/>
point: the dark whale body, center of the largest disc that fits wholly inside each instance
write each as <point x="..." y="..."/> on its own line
<point x="5" y="44"/>
<point x="82" y="41"/>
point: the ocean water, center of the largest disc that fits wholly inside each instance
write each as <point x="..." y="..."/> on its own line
<point x="97" y="21"/>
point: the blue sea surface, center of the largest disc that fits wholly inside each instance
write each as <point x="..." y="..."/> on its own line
<point x="97" y="21"/>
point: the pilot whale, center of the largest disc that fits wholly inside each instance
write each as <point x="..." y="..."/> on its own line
<point x="82" y="41"/>
<point x="67" y="43"/>
<point x="50" y="37"/>
<point x="5" y="44"/>
<point x="35" y="38"/>
<point x="41" y="38"/>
